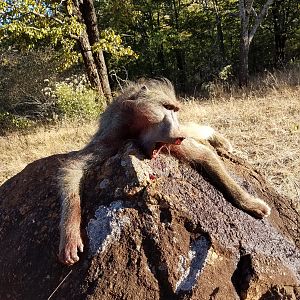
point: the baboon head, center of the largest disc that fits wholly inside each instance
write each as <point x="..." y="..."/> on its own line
<point x="155" y="108"/>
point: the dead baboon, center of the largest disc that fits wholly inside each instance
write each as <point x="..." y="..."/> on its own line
<point x="145" y="112"/>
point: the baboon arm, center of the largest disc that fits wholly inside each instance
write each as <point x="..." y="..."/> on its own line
<point x="69" y="183"/>
<point x="193" y="151"/>
<point x="203" y="133"/>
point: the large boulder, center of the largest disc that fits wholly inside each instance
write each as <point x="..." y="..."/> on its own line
<point x="153" y="229"/>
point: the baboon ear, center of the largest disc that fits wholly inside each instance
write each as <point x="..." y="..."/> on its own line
<point x="142" y="90"/>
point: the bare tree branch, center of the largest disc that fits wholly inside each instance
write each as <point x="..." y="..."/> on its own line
<point x="50" y="17"/>
<point x="247" y="33"/>
<point x="259" y="19"/>
<point x="254" y="12"/>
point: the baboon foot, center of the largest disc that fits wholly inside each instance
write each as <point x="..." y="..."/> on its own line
<point x="69" y="247"/>
<point x="226" y="145"/>
<point x="258" y="207"/>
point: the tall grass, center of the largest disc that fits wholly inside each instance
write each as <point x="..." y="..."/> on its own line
<point x="262" y="121"/>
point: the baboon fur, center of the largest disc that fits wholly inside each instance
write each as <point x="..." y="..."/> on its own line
<point x="145" y="112"/>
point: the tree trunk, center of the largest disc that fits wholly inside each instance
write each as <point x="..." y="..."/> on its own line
<point x="179" y="52"/>
<point x="247" y="33"/>
<point x="90" y="19"/>
<point x="180" y="60"/>
<point x="161" y="58"/>
<point x="220" y="36"/>
<point x="90" y="65"/>
<point x="100" y="62"/>
<point x="160" y="50"/>
<point x="280" y="35"/>
<point x="94" y="62"/>
<point x="244" y="54"/>
<point x="280" y="41"/>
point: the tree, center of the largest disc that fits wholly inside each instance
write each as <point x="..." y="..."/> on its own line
<point x="220" y="35"/>
<point x="69" y="26"/>
<point x="190" y="42"/>
<point x="94" y="61"/>
<point x="246" y="9"/>
<point x="284" y="15"/>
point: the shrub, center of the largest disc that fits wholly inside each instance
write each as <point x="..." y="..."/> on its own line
<point x="74" y="98"/>
<point x="10" y="122"/>
<point x="34" y="92"/>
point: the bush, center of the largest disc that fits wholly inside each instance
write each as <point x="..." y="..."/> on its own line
<point x="22" y="78"/>
<point x="74" y="98"/>
<point x="10" y="122"/>
<point x="34" y="92"/>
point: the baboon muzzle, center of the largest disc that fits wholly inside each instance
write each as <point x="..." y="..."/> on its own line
<point x="160" y="145"/>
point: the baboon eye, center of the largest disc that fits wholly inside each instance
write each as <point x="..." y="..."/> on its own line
<point x="170" y="107"/>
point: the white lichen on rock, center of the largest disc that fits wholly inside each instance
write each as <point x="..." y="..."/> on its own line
<point x="106" y="227"/>
<point x="191" y="267"/>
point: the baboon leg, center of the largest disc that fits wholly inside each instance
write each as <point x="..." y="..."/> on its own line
<point x="70" y="236"/>
<point x="199" y="153"/>
<point x="203" y="133"/>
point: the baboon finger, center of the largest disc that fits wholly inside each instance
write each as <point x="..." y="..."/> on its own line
<point x="80" y="246"/>
<point x="69" y="256"/>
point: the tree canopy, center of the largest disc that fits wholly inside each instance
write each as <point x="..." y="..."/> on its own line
<point x="190" y="42"/>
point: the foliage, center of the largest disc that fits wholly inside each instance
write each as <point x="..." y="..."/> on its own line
<point x="188" y="41"/>
<point x="33" y="91"/>
<point x="22" y="77"/>
<point x="10" y="122"/>
<point x="225" y="73"/>
<point x="111" y="42"/>
<point x="191" y="42"/>
<point x="75" y="99"/>
<point x="28" y="24"/>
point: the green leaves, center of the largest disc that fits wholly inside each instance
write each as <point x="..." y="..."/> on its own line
<point x="75" y="100"/>
<point x="28" y="24"/>
<point x="111" y="42"/>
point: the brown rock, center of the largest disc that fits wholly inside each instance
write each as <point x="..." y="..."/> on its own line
<point x="153" y="230"/>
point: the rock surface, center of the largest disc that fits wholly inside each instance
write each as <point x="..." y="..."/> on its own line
<point x="153" y="230"/>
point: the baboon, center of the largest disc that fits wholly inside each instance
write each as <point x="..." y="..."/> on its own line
<point x="147" y="113"/>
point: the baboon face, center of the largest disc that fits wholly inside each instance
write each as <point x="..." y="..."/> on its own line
<point x="163" y="132"/>
<point x="154" y="120"/>
<point x="160" y="124"/>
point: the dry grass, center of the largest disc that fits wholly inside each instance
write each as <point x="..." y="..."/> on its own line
<point x="264" y="130"/>
<point x="17" y="150"/>
<point x="264" y="127"/>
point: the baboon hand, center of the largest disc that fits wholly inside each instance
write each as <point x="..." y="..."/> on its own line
<point x="69" y="246"/>
<point x="259" y="208"/>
